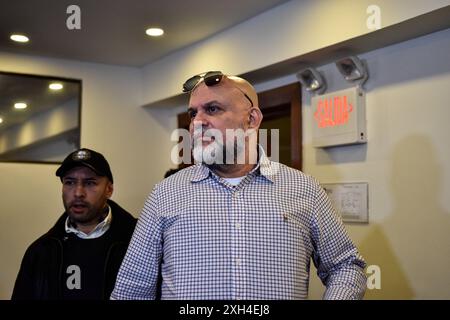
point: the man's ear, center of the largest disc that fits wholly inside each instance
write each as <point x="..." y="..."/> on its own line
<point x="109" y="189"/>
<point x="255" y="118"/>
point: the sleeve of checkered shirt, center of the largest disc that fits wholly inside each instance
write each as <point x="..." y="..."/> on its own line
<point x="338" y="263"/>
<point x="138" y="275"/>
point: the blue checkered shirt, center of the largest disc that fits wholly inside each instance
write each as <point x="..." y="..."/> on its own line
<point x="208" y="239"/>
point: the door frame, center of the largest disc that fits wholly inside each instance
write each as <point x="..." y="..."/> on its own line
<point x="273" y="101"/>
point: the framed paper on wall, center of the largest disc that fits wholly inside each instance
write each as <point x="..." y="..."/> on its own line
<point x="350" y="200"/>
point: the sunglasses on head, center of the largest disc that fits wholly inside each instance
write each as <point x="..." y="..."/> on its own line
<point x="210" y="78"/>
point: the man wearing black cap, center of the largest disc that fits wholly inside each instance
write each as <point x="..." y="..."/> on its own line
<point x="80" y="256"/>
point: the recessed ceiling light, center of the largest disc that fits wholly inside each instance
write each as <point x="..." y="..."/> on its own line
<point x="56" y="86"/>
<point x="154" y="32"/>
<point x="1" y="120"/>
<point x="20" y="105"/>
<point x="19" y="38"/>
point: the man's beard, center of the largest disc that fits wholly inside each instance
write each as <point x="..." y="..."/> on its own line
<point x="216" y="153"/>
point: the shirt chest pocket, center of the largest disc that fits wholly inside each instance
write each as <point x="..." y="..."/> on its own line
<point x="296" y="227"/>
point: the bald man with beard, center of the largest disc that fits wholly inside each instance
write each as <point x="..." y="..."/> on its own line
<point x="217" y="116"/>
<point x="236" y="225"/>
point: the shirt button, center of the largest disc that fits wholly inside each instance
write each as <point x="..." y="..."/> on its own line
<point x="238" y="262"/>
<point x="238" y="225"/>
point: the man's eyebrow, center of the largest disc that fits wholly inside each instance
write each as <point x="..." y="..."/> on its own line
<point x="207" y="104"/>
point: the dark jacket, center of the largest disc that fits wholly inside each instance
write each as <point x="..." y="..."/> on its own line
<point x="40" y="273"/>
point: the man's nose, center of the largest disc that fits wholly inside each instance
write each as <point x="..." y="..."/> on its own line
<point x="202" y="118"/>
<point x="79" y="190"/>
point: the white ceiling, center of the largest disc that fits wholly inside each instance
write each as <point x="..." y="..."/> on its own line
<point x="113" y="31"/>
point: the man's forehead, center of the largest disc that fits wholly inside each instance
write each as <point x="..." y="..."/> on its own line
<point x="220" y="93"/>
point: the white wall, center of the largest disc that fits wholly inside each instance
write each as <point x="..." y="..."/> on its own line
<point x="407" y="165"/>
<point x="113" y="123"/>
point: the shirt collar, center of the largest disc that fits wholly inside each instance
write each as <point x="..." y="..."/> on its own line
<point x="99" y="230"/>
<point x="265" y="167"/>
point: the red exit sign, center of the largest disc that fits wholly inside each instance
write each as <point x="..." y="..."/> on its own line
<point x="339" y="118"/>
<point x="333" y="111"/>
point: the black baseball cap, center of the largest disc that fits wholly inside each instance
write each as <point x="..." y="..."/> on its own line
<point x="85" y="158"/>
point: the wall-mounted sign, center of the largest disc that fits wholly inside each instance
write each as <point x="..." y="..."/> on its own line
<point x="339" y="118"/>
<point x="349" y="200"/>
